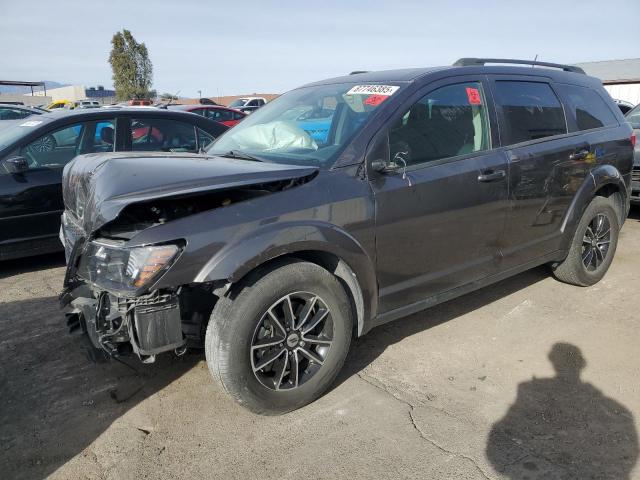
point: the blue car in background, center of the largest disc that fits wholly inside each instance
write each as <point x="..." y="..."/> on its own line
<point x="317" y="128"/>
<point x="316" y="123"/>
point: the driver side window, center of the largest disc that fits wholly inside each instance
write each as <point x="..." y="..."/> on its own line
<point x="448" y="122"/>
<point x="54" y="149"/>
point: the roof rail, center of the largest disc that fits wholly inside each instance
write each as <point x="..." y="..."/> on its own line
<point x="467" y="62"/>
<point x="358" y="71"/>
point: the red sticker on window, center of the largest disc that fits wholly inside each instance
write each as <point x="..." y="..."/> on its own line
<point x="474" y="96"/>
<point x="375" y="99"/>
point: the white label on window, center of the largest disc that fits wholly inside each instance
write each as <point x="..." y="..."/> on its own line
<point x="386" y="90"/>
<point x="31" y="123"/>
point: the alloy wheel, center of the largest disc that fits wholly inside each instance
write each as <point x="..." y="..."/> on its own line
<point x="596" y="242"/>
<point x="43" y="144"/>
<point x="292" y="341"/>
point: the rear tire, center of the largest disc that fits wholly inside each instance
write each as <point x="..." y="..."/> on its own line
<point x="256" y="314"/>
<point x="593" y="246"/>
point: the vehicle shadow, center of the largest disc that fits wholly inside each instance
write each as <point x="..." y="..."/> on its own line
<point x="9" y="268"/>
<point x="561" y="427"/>
<point x="634" y="213"/>
<point x="369" y="347"/>
<point x="54" y="402"/>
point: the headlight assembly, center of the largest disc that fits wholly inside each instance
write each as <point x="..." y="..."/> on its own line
<point x="112" y="266"/>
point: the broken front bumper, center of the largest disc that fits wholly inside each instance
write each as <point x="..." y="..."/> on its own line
<point x="118" y="322"/>
<point x="145" y="325"/>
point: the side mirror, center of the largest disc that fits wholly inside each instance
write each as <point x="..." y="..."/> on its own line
<point x="381" y="166"/>
<point x="16" y="164"/>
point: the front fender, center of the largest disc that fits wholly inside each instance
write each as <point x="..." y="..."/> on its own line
<point x="234" y="261"/>
<point x="599" y="177"/>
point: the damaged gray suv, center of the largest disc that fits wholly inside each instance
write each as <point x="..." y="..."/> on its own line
<point x="340" y="206"/>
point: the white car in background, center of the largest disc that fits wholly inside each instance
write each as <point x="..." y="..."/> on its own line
<point x="83" y="104"/>
<point x="248" y="104"/>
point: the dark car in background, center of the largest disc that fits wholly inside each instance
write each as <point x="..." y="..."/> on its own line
<point x="276" y="248"/>
<point x="633" y="117"/>
<point x="34" y="150"/>
<point x="226" y="116"/>
<point x="15" y="112"/>
<point x="623" y="105"/>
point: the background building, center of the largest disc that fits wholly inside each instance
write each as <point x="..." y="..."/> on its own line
<point x="621" y="78"/>
<point x="13" y="91"/>
<point x="80" y="92"/>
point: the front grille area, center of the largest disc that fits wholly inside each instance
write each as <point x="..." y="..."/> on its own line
<point x="635" y="174"/>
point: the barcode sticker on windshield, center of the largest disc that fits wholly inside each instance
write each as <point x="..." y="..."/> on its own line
<point x="31" y="123"/>
<point x="386" y="90"/>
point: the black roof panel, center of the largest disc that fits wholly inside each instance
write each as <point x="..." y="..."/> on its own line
<point x="409" y="75"/>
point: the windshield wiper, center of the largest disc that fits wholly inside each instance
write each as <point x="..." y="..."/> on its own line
<point x="241" y="155"/>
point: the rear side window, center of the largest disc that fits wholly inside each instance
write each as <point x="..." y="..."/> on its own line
<point x="530" y="111"/>
<point x="219" y="115"/>
<point x="156" y="134"/>
<point x="587" y="107"/>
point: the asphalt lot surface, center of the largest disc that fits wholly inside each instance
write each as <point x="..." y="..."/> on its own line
<point x="526" y="379"/>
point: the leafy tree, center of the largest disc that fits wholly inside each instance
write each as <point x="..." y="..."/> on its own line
<point x="168" y="96"/>
<point x="132" y="68"/>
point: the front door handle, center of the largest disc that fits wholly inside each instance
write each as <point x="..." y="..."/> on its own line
<point x="492" y="175"/>
<point x="580" y="155"/>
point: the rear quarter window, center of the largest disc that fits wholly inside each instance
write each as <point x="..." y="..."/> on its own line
<point x="588" y="109"/>
<point x="530" y="111"/>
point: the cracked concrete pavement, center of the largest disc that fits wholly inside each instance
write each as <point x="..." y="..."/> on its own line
<point x="529" y="378"/>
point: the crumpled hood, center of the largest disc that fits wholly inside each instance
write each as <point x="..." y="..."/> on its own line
<point x="96" y="187"/>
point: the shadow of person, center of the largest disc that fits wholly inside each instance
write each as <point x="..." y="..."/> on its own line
<point x="563" y="428"/>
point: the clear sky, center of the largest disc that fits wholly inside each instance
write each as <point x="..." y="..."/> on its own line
<point x="242" y="46"/>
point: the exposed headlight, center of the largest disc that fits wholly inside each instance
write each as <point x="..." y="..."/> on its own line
<point x="114" y="267"/>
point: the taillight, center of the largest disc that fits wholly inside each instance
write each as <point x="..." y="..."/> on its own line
<point x="633" y="139"/>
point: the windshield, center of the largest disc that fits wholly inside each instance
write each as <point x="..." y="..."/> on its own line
<point x="307" y="126"/>
<point x="237" y="103"/>
<point x="633" y="117"/>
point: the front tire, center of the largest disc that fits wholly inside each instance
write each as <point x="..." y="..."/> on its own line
<point x="279" y="340"/>
<point x="593" y="246"/>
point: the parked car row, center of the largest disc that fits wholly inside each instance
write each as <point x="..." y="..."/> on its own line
<point x="226" y="116"/>
<point x="633" y="117"/>
<point x="341" y="205"/>
<point x="14" y="112"/>
<point x="34" y="151"/>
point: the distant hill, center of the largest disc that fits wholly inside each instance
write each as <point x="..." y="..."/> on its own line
<point x="12" y="89"/>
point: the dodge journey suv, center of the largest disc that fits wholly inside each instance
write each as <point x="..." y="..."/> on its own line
<point x="277" y="246"/>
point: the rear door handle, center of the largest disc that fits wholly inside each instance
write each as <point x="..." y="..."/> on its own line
<point x="492" y="175"/>
<point x="580" y="155"/>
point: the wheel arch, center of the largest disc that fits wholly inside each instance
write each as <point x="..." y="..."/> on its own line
<point x="332" y="249"/>
<point x="605" y="181"/>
